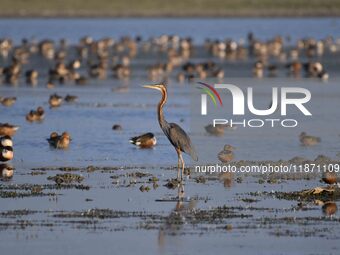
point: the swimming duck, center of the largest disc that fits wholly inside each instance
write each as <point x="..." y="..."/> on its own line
<point x="70" y="98"/>
<point x="37" y="115"/>
<point x="6" y="141"/>
<point x="55" y="100"/>
<point x="6" y="171"/>
<point x="308" y="140"/>
<point x="7" y="101"/>
<point x="8" y="129"/>
<point x="31" y="77"/>
<point x="227" y="154"/>
<point x="6" y="153"/>
<point x="258" y="69"/>
<point x="147" y="140"/>
<point x="59" y="141"/>
<point x="218" y="130"/>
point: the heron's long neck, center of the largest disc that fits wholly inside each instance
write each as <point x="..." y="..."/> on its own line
<point x="161" y="120"/>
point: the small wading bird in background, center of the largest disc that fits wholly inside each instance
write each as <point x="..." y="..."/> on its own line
<point x="308" y="140"/>
<point x="227" y="154"/>
<point x="176" y="135"/>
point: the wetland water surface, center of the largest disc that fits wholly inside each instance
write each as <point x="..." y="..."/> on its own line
<point x="111" y="197"/>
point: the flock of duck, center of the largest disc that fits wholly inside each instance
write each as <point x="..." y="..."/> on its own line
<point x="94" y="59"/>
<point x="91" y="59"/>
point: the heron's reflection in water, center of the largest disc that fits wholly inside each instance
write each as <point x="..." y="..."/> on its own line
<point x="172" y="228"/>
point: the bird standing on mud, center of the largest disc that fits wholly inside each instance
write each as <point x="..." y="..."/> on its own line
<point x="227" y="154"/>
<point x="176" y="135"/>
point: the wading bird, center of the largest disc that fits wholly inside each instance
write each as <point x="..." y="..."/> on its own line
<point x="227" y="154"/>
<point x="176" y="135"/>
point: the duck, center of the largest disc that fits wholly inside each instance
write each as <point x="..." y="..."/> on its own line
<point x="117" y="127"/>
<point x="31" y="77"/>
<point x="6" y="171"/>
<point x="8" y="129"/>
<point x="147" y="140"/>
<point x="227" y="154"/>
<point x="258" y="69"/>
<point x="55" y="100"/>
<point x="8" y="101"/>
<point x="59" y="141"/>
<point x="36" y="115"/>
<point x="70" y="98"/>
<point x="6" y="141"/>
<point x="218" y="130"/>
<point x="308" y="140"/>
<point x="6" y="153"/>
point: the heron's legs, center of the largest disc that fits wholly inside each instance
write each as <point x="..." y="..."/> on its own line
<point x="183" y="165"/>
<point x="178" y="164"/>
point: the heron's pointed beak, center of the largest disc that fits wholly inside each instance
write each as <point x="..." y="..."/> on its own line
<point x="150" y="86"/>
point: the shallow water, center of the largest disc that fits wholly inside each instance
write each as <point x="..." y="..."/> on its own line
<point x="139" y="221"/>
<point x="198" y="29"/>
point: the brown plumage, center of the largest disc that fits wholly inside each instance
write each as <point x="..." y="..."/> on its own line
<point x="147" y="140"/>
<point x="330" y="177"/>
<point x="8" y="129"/>
<point x="36" y="115"/>
<point x="308" y="140"/>
<point x="227" y="154"/>
<point x="218" y="130"/>
<point x="59" y="141"/>
<point x="6" y="171"/>
<point x="55" y="100"/>
<point x="8" y="101"/>
<point x="329" y="208"/>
